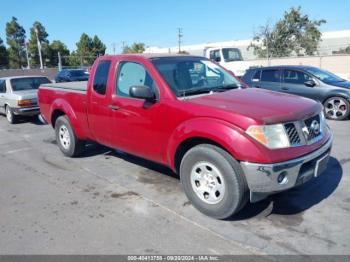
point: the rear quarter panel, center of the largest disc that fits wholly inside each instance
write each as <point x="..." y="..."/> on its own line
<point x="72" y="104"/>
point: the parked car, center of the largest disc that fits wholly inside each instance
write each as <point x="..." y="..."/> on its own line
<point x="229" y="144"/>
<point x="71" y="75"/>
<point x="18" y="96"/>
<point x="312" y="82"/>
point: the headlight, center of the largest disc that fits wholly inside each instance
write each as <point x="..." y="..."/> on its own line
<point x="272" y="136"/>
<point x="26" y="102"/>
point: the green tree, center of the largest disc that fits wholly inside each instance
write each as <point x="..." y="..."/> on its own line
<point x="134" y="48"/>
<point x="58" y="47"/>
<point x="295" y="34"/>
<point x="3" y="55"/>
<point x="87" y="50"/>
<point x="15" y="38"/>
<point x="98" y="48"/>
<point x="39" y="29"/>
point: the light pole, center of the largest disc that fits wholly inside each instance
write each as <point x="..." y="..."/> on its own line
<point x="26" y="46"/>
<point x="39" y="47"/>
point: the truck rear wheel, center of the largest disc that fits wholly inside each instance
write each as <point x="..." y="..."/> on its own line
<point x="213" y="181"/>
<point x="66" y="139"/>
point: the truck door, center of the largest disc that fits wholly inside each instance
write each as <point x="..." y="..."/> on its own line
<point x="98" y="106"/>
<point x="2" y="94"/>
<point x="136" y="125"/>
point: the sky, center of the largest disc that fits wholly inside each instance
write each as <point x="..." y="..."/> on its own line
<point x="155" y="22"/>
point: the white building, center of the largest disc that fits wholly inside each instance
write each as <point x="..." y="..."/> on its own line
<point x="331" y="41"/>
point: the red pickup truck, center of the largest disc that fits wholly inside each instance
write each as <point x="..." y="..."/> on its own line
<point x="229" y="143"/>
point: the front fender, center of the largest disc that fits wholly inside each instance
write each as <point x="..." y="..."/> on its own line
<point x="63" y="106"/>
<point x="228" y="136"/>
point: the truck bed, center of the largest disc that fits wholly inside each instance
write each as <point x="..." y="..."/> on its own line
<point x="71" y="98"/>
<point x="80" y="86"/>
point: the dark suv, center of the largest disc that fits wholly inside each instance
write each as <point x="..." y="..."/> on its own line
<point x="72" y="75"/>
<point x="312" y="82"/>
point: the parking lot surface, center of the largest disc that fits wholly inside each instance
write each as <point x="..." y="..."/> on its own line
<point x="108" y="202"/>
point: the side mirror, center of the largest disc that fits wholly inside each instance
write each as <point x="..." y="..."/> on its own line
<point x="217" y="59"/>
<point x="142" y="92"/>
<point x="310" y="83"/>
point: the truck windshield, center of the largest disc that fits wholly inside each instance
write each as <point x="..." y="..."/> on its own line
<point x="28" y="83"/>
<point x="194" y="75"/>
<point x="232" y="54"/>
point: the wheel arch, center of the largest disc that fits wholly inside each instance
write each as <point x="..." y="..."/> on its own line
<point x="61" y="107"/>
<point x="189" y="143"/>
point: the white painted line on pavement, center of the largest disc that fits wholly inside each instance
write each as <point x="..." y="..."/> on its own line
<point x="17" y="150"/>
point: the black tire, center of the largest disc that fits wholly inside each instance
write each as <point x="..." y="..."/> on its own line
<point x="10" y="116"/>
<point x="340" y="112"/>
<point x="236" y="191"/>
<point x="75" y="147"/>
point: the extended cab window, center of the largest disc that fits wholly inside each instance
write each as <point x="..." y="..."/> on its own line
<point x="271" y="75"/>
<point x="101" y="77"/>
<point x="132" y="74"/>
<point x="295" y="77"/>
<point x="2" y="86"/>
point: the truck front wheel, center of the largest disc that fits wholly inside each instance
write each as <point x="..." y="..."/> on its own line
<point x="67" y="141"/>
<point x="213" y="181"/>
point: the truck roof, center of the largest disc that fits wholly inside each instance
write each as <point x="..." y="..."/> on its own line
<point x="154" y="55"/>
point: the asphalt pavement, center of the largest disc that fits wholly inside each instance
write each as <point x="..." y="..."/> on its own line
<point x="108" y="202"/>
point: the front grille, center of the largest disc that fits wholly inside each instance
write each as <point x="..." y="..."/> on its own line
<point x="292" y="133"/>
<point x="304" y="132"/>
<point x="313" y="132"/>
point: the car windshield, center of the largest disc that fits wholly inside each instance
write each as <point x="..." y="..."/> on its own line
<point x="324" y="75"/>
<point x="77" y="73"/>
<point x="194" y="75"/>
<point x="28" y="83"/>
<point x="232" y="54"/>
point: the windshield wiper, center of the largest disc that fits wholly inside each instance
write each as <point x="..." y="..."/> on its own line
<point x="194" y="91"/>
<point x="224" y="88"/>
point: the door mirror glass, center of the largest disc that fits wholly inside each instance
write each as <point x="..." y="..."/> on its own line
<point x="142" y="92"/>
<point x="310" y="83"/>
<point x="217" y="59"/>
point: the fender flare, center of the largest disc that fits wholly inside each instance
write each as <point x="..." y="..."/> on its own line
<point x="63" y="106"/>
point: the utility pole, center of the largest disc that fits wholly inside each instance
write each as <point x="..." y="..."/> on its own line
<point x="179" y="37"/>
<point x="123" y="45"/>
<point x="39" y="47"/>
<point x="113" y="45"/>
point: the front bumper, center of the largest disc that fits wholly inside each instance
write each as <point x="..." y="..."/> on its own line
<point x="266" y="179"/>
<point x="26" y="111"/>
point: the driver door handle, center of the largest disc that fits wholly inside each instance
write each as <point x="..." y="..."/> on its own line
<point x="285" y="88"/>
<point x="114" y="107"/>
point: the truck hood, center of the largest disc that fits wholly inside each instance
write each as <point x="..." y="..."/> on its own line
<point x="26" y="94"/>
<point x="259" y="106"/>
